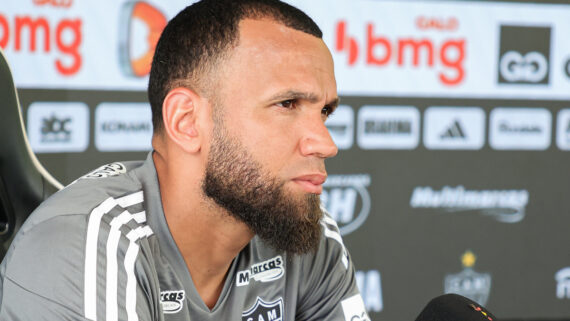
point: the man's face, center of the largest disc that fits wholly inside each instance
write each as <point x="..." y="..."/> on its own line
<point x="266" y="158"/>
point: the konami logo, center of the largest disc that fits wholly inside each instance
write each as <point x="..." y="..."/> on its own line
<point x="378" y="50"/>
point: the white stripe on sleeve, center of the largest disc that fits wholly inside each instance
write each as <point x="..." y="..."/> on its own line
<point x="131" y="199"/>
<point x="90" y="285"/>
<point x="111" y="304"/>
<point x="130" y="259"/>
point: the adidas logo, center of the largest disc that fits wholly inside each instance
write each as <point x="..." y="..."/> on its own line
<point x="454" y="128"/>
<point x="453" y="131"/>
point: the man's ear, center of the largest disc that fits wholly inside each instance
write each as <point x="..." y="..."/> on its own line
<point x="180" y="113"/>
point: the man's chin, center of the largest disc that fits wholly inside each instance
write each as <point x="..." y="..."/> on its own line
<point x="303" y="241"/>
<point x="298" y="231"/>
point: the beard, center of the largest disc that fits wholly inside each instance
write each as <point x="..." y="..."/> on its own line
<point x="238" y="183"/>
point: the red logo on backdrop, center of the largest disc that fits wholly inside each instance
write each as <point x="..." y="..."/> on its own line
<point x="344" y="42"/>
<point x="442" y="24"/>
<point x="138" y="65"/>
<point x="55" y="3"/>
<point x="62" y="36"/>
<point x="382" y="51"/>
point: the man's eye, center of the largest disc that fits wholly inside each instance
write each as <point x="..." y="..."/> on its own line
<point x="327" y="111"/>
<point x="286" y="103"/>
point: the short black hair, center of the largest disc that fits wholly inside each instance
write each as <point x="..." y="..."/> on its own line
<point x="203" y="33"/>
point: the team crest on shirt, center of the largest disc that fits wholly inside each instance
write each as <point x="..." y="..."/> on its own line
<point x="264" y="311"/>
<point x="171" y="301"/>
<point x="266" y="271"/>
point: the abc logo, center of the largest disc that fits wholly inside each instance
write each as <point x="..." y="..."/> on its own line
<point x="524" y="55"/>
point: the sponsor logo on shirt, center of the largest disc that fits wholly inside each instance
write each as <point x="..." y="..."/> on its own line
<point x="171" y="301"/>
<point x="265" y="271"/>
<point x="112" y="169"/>
<point x="562" y="278"/>
<point x="353" y="309"/>
<point x="470" y="284"/>
<point x="108" y="170"/>
<point x="507" y="206"/>
<point x="264" y="311"/>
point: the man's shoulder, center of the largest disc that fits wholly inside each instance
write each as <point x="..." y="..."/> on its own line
<point x="93" y="220"/>
<point x="57" y="237"/>
<point x="114" y="180"/>
<point x="62" y="221"/>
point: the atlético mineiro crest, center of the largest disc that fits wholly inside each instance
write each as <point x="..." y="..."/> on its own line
<point x="264" y="311"/>
<point x="473" y="285"/>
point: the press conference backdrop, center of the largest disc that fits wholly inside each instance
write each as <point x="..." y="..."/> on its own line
<point x="454" y="134"/>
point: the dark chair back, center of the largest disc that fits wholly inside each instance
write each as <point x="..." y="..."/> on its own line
<point x="24" y="183"/>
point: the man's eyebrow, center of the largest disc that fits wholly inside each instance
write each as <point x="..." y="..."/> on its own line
<point x="333" y="103"/>
<point x="312" y="98"/>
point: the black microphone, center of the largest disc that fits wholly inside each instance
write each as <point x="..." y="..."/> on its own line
<point x="454" y="307"/>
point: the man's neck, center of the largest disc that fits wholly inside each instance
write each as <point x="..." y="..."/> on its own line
<point x="207" y="237"/>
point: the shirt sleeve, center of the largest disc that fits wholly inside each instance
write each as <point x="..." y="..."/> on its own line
<point x="43" y="277"/>
<point x="329" y="290"/>
<point x="20" y="304"/>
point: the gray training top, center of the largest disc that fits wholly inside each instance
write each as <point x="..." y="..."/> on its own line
<point x="100" y="249"/>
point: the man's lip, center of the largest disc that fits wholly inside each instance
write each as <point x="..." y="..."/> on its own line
<point x="316" y="179"/>
<point x="311" y="183"/>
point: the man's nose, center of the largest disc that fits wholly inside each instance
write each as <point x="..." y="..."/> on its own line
<point x="317" y="141"/>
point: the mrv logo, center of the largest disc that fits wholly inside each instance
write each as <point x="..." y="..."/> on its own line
<point x="265" y="271"/>
<point x="507" y="206"/>
<point x="347" y="200"/>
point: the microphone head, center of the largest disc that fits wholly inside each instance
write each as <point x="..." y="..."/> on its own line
<point x="454" y="307"/>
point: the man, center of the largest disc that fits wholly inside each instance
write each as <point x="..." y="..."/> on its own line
<point x="223" y="220"/>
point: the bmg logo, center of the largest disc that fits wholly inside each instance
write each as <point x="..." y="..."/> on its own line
<point x="524" y="55"/>
<point x="380" y="50"/>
